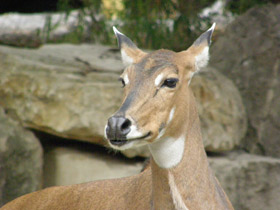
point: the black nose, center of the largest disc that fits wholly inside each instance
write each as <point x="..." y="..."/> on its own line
<point x="118" y="127"/>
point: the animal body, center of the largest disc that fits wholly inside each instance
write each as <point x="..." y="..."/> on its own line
<point x="158" y="110"/>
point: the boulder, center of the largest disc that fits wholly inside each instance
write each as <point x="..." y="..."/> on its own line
<point x="222" y="114"/>
<point x="65" y="90"/>
<point x="66" y="165"/>
<point x="21" y="160"/>
<point x="251" y="181"/>
<point x="70" y="91"/>
<point x="248" y="53"/>
<point x="2" y="179"/>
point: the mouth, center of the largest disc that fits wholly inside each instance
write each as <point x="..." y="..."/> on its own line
<point x="121" y="142"/>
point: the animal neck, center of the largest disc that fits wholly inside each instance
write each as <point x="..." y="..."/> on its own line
<point x="181" y="177"/>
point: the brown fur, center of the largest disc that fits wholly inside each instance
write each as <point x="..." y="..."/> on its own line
<point x="192" y="180"/>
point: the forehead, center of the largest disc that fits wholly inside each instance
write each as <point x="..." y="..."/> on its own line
<point x="155" y="61"/>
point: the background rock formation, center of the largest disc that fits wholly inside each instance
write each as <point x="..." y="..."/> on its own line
<point x="21" y="160"/>
<point x="50" y="89"/>
<point x="88" y="162"/>
<point x="249" y="54"/>
<point x="221" y="111"/>
<point x="250" y="181"/>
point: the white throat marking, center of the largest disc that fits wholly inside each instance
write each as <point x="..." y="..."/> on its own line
<point x="168" y="152"/>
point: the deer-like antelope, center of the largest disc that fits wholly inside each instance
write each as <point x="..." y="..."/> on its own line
<point x="158" y="110"/>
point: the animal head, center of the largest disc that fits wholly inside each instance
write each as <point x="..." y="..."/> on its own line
<point x="156" y="87"/>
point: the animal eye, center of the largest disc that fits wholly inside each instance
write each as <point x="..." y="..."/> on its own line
<point x="170" y="83"/>
<point x="123" y="83"/>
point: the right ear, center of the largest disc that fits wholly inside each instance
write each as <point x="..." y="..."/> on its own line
<point x="130" y="52"/>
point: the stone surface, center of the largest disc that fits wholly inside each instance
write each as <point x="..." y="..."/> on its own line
<point x="66" y="165"/>
<point x="50" y="89"/>
<point x="70" y="91"/>
<point x="32" y="30"/>
<point x="222" y="114"/>
<point x="252" y="182"/>
<point x="21" y="160"/>
<point x="2" y="178"/>
<point x="248" y="53"/>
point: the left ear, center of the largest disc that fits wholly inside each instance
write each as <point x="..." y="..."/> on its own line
<point x="200" y="49"/>
<point x="129" y="51"/>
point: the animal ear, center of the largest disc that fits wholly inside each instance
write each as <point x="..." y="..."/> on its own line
<point x="129" y="51"/>
<point x="200" y="49"/>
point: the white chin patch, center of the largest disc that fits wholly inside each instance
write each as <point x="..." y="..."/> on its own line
<point x="132" y="139"/>
<point x="130" y="144"/>
<point x="134" y="133"/>
<point x="124" y="147"/>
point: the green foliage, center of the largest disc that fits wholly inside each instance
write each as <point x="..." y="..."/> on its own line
<point x="150" y="23"/>
<point x="95" y="30"/>
<point x="241" y="6"/>
<point x="162" y="23"/>
<point x="153" y="24"/>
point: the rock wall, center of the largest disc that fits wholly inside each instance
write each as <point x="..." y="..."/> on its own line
<point x="250" y="181"/>
<point x="50" y="89"/>
<point x="21" y="160"/>
<point x="249" y="54"/>
<point x="221" y="111"/>
<point x="87" y="165"/>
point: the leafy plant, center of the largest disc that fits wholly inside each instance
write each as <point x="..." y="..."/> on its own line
<point x="153" y="24"/>
<point x="241" y="6"/>
<point x="163" y="23"/>
<point x="93" y="30"/>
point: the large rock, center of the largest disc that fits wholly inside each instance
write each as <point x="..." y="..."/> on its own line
<point x="2" y="179"/>
<point x="252" y="182"/>
<point x="222" y="114"/>
<point x="21" y="160"/>
<point x="70" y="91"/>
<point x="50" y="89"/>
<point x="248" y="53"/>
<point x="66" y="165"/>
